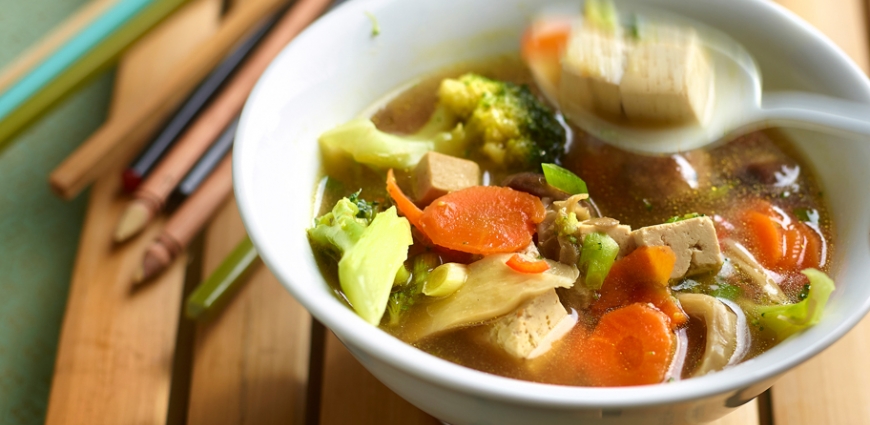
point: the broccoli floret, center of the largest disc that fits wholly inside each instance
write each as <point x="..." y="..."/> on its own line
<point x="500" y="120"/>
<point x="463" y="95"/>
<point x="369" y="247"/>
<point x="512" y="127"/>
<point x="566" y="224"/>
<point x="337" y="231"/>
<point x="405" y="296"/>
<point x="367" y="210"/>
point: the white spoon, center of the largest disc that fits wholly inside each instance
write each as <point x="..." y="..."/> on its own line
<point x="737" y="105"/>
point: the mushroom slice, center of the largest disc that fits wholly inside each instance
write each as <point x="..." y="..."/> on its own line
<point x="722" y="338"/>
<point x="743" y="260"/>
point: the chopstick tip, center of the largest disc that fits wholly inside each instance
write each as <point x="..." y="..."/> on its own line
<point x="137" y="215"/>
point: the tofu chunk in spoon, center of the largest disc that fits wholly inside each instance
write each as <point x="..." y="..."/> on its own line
<point x="667" y="79"/>
<point x="592" y="69"/>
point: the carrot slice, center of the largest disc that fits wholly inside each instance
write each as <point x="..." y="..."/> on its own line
<point x="483" y="220"/>
<point x="779" y="241"/>
<point x="812" y="257"/>
<point x="641" y="276"/>
<point x="633" y="345"/>
<point x="522" y="265"/>
<point x="546" y="38"/>
<point x="476" y="220"/>
<point x="542" y="46"/>
<point x="764" y="237"/>
<point x="407" y="207"/>
<point x="803" y="248"/>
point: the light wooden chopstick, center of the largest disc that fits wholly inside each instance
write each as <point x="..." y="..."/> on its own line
<point x="26" y="61"/>
<point x="54" y="79"/>
<point x="120" y="139"/>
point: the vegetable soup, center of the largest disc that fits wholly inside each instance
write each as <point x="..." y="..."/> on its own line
<point x="469" y="219"/>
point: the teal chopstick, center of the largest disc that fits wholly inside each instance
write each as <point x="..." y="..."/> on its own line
<point x="69" y="53"/>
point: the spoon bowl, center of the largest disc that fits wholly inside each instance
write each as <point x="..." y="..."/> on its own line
<point x="737" y="104"/>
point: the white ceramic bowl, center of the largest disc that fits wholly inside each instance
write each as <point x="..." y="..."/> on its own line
<point x="336" y="68"/>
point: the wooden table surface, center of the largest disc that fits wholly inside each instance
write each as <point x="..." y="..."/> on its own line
<point x="131" y="358"/>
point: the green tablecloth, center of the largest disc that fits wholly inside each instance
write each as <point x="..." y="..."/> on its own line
<point x="38" y="232"/>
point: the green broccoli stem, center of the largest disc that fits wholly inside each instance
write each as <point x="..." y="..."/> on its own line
<point x="441" y="120"/>
<point x="423" y="264"/>
<point x="404" y="296"/>
<point x="403" y="276"/>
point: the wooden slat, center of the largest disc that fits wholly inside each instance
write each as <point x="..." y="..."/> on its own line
<point x="250" y="359"/>
<point x="351" y="395"/>
<point x="116" y="347"/>
<point x="745" y="415"/>
<point x="190" y="27"/>
<point x="832" y="388"/>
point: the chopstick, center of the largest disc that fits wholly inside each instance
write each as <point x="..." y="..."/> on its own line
<point x="151" y="196"/>
<point x="204" y="166"/>
<point x="82" y="57"/>
<point x="190" y="110"/>
<point x="226" y="279"/>
<point x="120" y="139"/>
<point x="187" y="222"/>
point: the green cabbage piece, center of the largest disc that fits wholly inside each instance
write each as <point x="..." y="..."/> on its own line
<point x="367" y="271"/>
<point x="787" y="319"/>
<point x="369" y="251"/>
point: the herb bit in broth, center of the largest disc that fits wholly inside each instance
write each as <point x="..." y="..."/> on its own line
<point x="584" y="264"/>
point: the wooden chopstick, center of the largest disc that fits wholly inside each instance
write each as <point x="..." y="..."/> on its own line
<point x="118" y="140"/>
<point x="150" y="198"/>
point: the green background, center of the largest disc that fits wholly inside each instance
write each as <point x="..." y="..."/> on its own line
<point x="38" y="232"/>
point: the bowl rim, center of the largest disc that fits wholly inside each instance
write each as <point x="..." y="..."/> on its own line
<point x="355" y="332"/>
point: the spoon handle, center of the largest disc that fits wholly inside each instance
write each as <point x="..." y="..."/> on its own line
<point x="815" y="112"/>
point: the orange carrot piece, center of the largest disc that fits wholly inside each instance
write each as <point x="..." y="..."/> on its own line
<point x="803" y="248"/>
<point x="546" y="39"/>
<point x="813" y="249"/>
<point x="407" y="207"/>
<point x="633" y="345"/>
<point x="779" y="241"/>
<point x="522" y="265"/>
<point x="476" y="220"/>
<point x="483" y="220"/>
<point x="641" y="277"/>
<point x="764" y="237"/>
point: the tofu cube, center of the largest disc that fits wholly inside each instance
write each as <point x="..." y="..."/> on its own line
<point x="437" y="175"/>
<point x="620" y="233"/>
<point x="522" y="331"/>
<point x="592" y="69"/>
<point x="693" y="241"/>
<point x="667" y="79"/>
